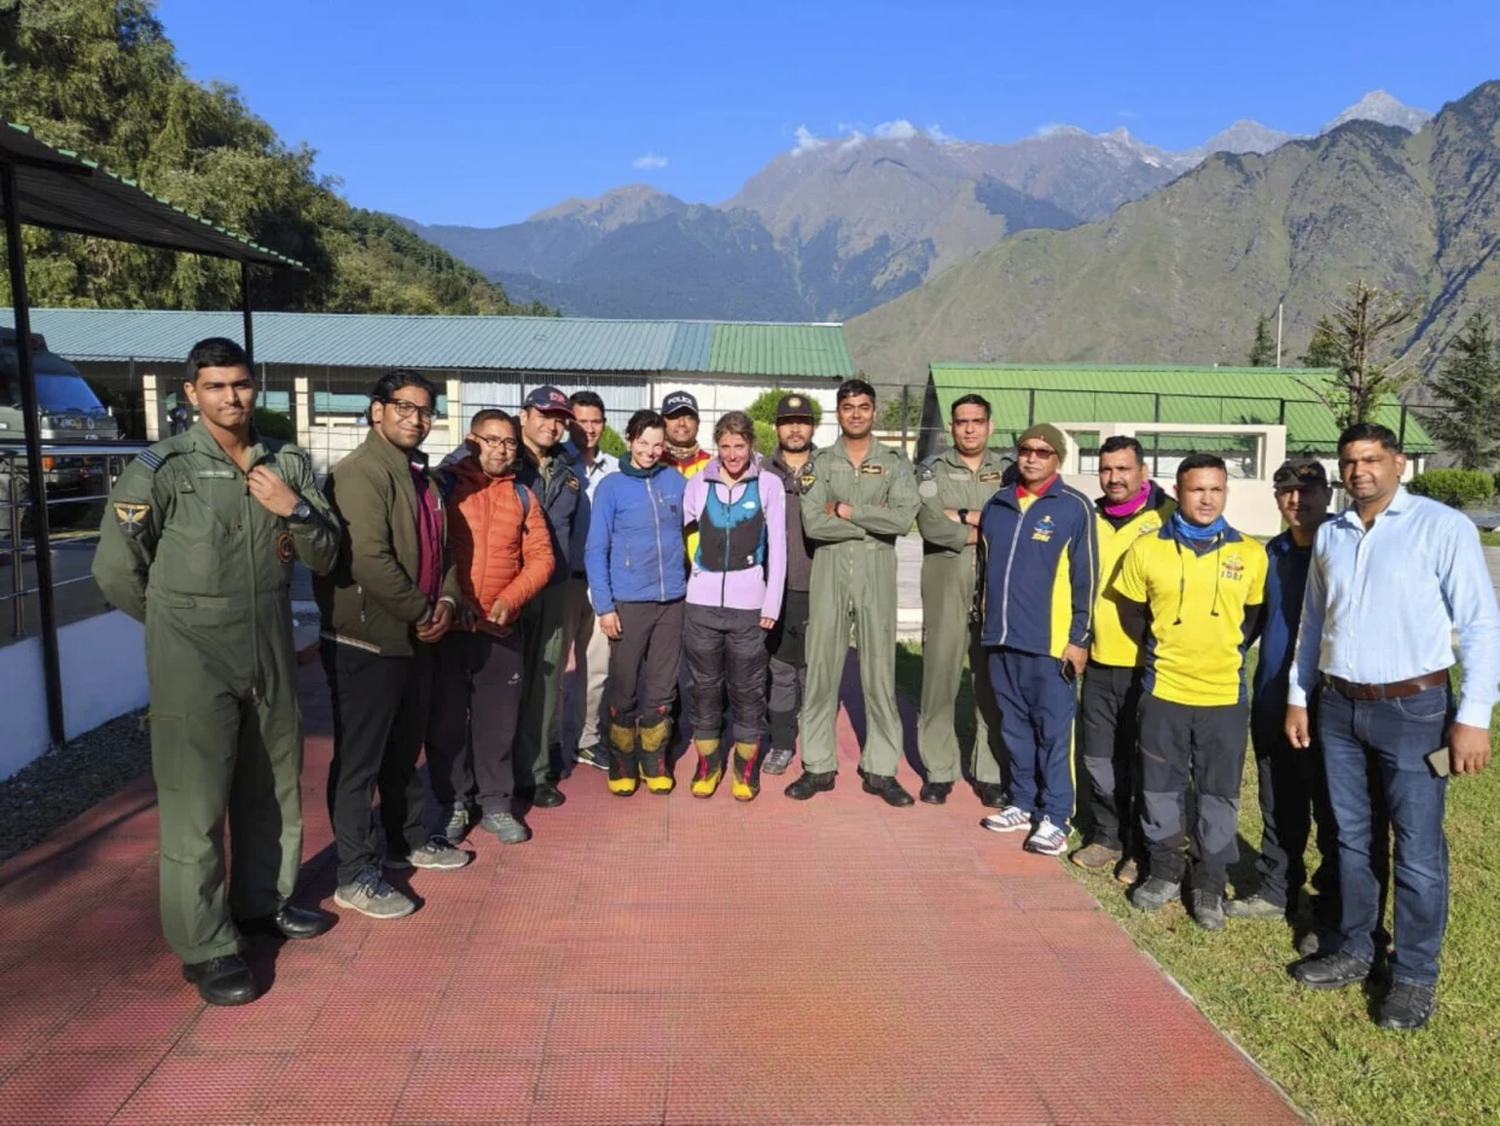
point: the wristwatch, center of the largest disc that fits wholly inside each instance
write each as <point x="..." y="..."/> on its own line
<point x="963" y="516"/>
<point x="301" y="512"/>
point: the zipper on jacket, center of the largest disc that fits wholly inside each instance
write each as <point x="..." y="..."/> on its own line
<point x="661" y="563"/>
<point x="246" y="500"/>
<point x="1009" y="564"/>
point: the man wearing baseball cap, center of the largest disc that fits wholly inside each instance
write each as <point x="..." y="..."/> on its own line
<point x="1293" y="788"/>
<point x="795" y="420"/>
<point x="680" y="409"/>
<point x="548" y="470"/>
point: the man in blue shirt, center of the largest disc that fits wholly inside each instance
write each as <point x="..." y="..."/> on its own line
<point x="1393" y="578"/>
<point x="1293" y="790"/>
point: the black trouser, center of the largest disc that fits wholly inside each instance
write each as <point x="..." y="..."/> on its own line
<point x="1293" y="795"/>
<point x="643" y="663"/>
<point x="1208" y="744"/>
<point x="476" y="701"/>
<point x="1107" y="716"/>
<point x="787" y="646"/>
<point x="380" y="707"/>
<point x="726" y="649"/>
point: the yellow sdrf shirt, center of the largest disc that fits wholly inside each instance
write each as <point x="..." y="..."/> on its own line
<point x="1112" y="645"/>
<point x="1194" y="656"/>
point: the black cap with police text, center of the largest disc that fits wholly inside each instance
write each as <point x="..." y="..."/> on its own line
<point x="549" y="400"/>
<point x="679" y="402"/>
<point x="792" y="407"/>
<point x="1300" y="473"/>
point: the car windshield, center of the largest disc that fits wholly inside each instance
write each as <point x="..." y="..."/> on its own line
<point x="64" y="393"/>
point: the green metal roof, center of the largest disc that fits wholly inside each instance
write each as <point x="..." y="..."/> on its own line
<point x="1021" y="394"/>
<point x="526" y="344"/>
<point x="60" y="190"/>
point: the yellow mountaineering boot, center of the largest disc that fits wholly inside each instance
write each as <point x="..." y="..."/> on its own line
<point x="653" y="756"/>
<point x="746" y="771"/>
<point x="622" y="765"/>
<point x="710" y="767"/>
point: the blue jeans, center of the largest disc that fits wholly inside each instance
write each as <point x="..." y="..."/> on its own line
<point x="1037" y="705"/>
<point x="1393" y="738"/>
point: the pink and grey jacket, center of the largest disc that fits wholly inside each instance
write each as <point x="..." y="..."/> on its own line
<point x="739" y="562"/>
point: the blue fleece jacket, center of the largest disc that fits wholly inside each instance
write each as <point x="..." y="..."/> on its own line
<point x="635" y="550"/>
<point x="1040" y="570"/>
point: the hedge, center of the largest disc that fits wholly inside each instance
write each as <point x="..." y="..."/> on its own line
<point x="1459" y="488"/>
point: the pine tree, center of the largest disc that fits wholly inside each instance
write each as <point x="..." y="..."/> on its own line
<point x="1465" y="420"/>
<point x="1362" y="325"/>
<point x="1323" y="348"/>
<point x="1263" y="351"/>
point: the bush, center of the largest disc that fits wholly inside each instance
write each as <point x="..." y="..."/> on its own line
<point x="1456" y="487"/>
<point x="765" y="439"/>
<point x="611" y="442"/>
<point x="274" y="424"/>
<point x="764" y="407"/>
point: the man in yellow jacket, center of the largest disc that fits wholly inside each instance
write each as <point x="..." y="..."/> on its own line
<point x="1132" y="506"/>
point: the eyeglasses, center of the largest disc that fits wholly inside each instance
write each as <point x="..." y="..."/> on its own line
<point x="405" y="408"/>
<point x="496" y="443"/>
<point x="1036" y="451"/>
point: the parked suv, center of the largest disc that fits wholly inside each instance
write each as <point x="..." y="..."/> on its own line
<point x="70" y="412"/>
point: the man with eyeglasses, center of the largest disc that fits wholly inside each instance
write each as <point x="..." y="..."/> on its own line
<point x="385" y="607"/>
<point x="1193" y="593"/>
<point x="549" y="471"/>
<point x="503" y="558"/>
<point x="1040" y="552"/>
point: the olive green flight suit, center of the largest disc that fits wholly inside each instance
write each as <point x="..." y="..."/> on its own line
<point x="948" y="631"/>
<point x="854" y="583"/>
<point x="185" y="548"/>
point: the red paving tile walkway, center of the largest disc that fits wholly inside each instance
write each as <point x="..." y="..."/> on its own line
<point x="643" y="960"/>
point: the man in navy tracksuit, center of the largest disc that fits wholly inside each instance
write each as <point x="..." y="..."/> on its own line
<point x="1041" y="566"/>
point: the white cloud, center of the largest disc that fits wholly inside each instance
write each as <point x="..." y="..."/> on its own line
<point x="1053" y="128"/>
<point x="806" y="142"/>
<point x="1127" y="114"/>
<point x="898" y="130"/>
<point x="854" y="140"/>
<point x="937" y="134"/>
<point x="650" y="160"/>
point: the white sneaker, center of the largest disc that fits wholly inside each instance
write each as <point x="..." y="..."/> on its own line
<point x="1011" y="819"/>
<point x="1047" y="839"/>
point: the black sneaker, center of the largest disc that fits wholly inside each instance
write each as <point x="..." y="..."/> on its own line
<point x="1207" y="909"/>
<point x="593" y="755"/>
<point x="1331" y="971"/>
<point x="1154" y="894"/>
<point x="777" y="760"/>
<point x="1407" y="1006"/>
<point x="810" y="783"/>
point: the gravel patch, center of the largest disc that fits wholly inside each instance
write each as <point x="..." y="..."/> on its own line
<point x="63" y="783"/>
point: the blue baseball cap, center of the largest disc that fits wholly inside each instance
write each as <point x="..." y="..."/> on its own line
<point x="678" y="402"/>
<point x="550" y="400"/>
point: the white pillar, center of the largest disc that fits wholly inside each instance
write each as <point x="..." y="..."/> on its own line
<point x="151" y="401"/>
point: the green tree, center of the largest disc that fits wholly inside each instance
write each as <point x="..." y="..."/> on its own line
<point x="1364" y="323"/>
<point x="1466" y="418"/>
<point x="1263" y="350"/>
<point x="1323" y="349"/>
<point x="890" y="414"/>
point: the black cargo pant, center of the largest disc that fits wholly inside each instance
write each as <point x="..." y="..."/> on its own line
<point x="1107" y="716"/>
<point x="380" y="707"/>
<point x="643" y="662"/>
<point x="1207" y="745"/>
<point x="726" y="649"/>
<point x="476" y="701"/>
<point x="787" y="645"/>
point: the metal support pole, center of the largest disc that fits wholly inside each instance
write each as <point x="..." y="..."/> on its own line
<point x="905" y="408"/>
<point x="1280" y="309"/>
<point x="245" y="309"/>
<point x="1401" y="437"/>
<point x="16" y="252"/>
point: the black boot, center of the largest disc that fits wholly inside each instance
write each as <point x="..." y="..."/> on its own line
<point x="290" y="922"/>
<point x="223" y="981"/>
<point x="935" y="793"/>
<point x="888" y="788"/>
<point x="811" y="783"/>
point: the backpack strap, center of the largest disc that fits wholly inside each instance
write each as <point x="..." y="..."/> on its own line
<point x="523" y="494"/>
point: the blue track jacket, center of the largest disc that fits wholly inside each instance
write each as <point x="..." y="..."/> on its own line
<point x="635" y="551"/>
<point x="1039" y="570"/>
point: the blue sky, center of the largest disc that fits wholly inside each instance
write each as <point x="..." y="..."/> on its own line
<point x="480" y="113"/>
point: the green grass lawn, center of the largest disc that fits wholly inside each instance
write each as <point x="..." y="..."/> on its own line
<point x="1490" y="539"/>
<point x="1323" y="1047"/>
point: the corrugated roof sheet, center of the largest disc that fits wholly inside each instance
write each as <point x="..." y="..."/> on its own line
<point x="1184" y="397"/>
<point x="58" y="189"/>
<point x="781" y="349"/>
<point x="538" y="344"/>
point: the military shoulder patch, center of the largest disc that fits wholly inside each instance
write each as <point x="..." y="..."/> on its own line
<point x="573" y="481"/>
<point x="809" y="479"/>
<point x="150" y="459"/>
<point x="131" y="517"/>
<point x="927" y="488"/>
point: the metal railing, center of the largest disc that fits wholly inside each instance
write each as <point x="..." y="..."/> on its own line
<point x="98" y="465"/>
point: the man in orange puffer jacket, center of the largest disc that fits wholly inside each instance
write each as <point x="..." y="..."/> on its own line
<point x="497" y="534"/>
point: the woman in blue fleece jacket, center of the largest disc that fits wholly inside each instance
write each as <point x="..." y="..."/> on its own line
<point x="637" y="572"/>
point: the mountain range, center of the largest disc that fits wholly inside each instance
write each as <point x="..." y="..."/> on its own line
<point x="840" y="225"/>
<point x="1181" y="275"/>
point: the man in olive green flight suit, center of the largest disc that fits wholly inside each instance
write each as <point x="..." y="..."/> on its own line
<point x="954" y="486"/>
<point x="858" y="496"/>
<point x="198" y="543"/>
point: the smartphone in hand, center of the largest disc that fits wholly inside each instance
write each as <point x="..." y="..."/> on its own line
<point x="1441" y="762"/>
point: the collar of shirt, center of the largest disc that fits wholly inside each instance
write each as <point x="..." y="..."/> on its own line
<point x="1400" y="503"/>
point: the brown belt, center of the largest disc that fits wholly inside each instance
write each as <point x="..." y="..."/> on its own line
<point x="1396" y="690"/>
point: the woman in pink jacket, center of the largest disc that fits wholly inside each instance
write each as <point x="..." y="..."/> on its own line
<point x="734" y="588"/>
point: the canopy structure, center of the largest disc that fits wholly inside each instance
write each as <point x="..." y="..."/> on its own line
<point x="42" y="186"/>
